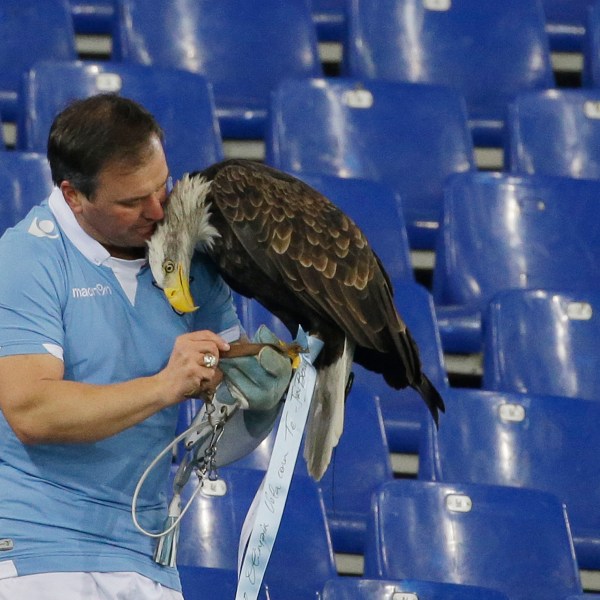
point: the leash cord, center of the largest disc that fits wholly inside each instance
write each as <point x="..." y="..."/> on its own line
<point x="144" y="476"/>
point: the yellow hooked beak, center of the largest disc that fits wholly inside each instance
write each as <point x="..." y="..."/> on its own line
<point x="177" y="291"/>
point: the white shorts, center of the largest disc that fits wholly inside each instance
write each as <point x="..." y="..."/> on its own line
<point x="84" y="586"/>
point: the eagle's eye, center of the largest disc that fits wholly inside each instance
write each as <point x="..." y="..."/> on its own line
<point x="168" y="266"/>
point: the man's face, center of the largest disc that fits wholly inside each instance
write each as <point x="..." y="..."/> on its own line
<point x="127" y="204"/>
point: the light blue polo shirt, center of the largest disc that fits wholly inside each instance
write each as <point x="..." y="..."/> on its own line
<point x="66" y="507"/>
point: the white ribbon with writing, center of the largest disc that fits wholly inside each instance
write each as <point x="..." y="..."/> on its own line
<point x="264" y="517"/>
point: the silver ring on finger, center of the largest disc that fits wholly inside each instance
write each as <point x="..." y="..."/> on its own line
<point x="209" y="360"/>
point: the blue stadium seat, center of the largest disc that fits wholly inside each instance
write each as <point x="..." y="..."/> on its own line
<point x="94" y="17"/>
<point x="302" y="559"/>
<point x="182" y="103"/>
<point x="329" y="17"/>
<point x="590" y="76"/>
<point x="566" y="23"/>
<point x="502" y="231"/>
<point x="543" y="342"/>
<point x="25" y="181"/>
<point x="29" y="34"/>
<point x="556" y="132"/>
<point x="360" y="463"/>
<point x="549" y="443"/>
<point x="409" y="136"/>
<point x="353" y="588"/>
<point x="203" y="583"/>
<point x="488" y="50"/>
<point x="377" y="210"/>
<point x="213" y="38"/>
<point x="513" y="540"/>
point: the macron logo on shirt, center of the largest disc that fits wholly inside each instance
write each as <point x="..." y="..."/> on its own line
<point x="90" y="292"/>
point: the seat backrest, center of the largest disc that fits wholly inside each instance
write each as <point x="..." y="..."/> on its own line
<point x="182" y="103"/>
<point x="302" y="557"/>
<point x="94" y="17"/>
<point x="29" y="33"/>
<point x="590" y="76"/>
<point x="408" y="136"/>
<point x="514" y="540"/>
<point x="543" y="342"/>
<point x="329" y="17"/>
<point x="25" y="181"/>
<point x="361" y="462"/>
<point x="556" y="132"/>
<point x="566" y="23"/>
<point x="502" y="231"/>
<point x="355" y="588"/>
<point x="244" y="63"/>
<point x="377" y="210"/>
<point x="204" y="583"/>
<point x="549" y="443"/>
<point x="488" y="50"/>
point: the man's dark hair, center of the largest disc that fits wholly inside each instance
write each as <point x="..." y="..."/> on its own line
<point x="96" y="131"/>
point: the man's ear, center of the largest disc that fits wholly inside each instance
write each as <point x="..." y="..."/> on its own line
<point x="73" y="197"/>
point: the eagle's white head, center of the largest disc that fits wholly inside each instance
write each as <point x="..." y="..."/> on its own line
<point x="185" y="227"/>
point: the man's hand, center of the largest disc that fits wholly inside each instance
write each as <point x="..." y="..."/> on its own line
<point x="186" y="369"/>
<point x="256" y="382"/>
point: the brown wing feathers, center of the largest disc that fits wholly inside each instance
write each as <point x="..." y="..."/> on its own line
<point x="297" y="236"/>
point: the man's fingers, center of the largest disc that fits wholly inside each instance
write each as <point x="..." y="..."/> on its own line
<point x="207" y="336"/>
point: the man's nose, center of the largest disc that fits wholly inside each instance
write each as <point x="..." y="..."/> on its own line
<point x="153" y="208"/>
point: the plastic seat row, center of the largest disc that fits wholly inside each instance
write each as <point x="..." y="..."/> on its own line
<point x="97" y="17"/>
<point x="409" y="137"/>
<point x="489" y="53"/>
<point x="504" y="231"/>
<point x="406" y="137"/>
<point x="523" y="440"/>
<point x="514" y="542"/>
<point x="242" y="62"/>
<point x="245" y="49"/>
<point x="509" y="41"/>
<point x="245" y="63"/>
<point x="565" y="20"/>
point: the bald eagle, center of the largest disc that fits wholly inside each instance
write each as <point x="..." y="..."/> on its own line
<point x="275" y="239"/>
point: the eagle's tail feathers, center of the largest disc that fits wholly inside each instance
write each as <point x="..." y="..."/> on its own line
<point x="326" y="416"/>
<point x="432" y="397"/>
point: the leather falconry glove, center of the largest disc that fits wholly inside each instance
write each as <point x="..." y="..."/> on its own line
<point x="256" y="382"/>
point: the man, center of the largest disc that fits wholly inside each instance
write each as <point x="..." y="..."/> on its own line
<point x="94" y="363"/>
